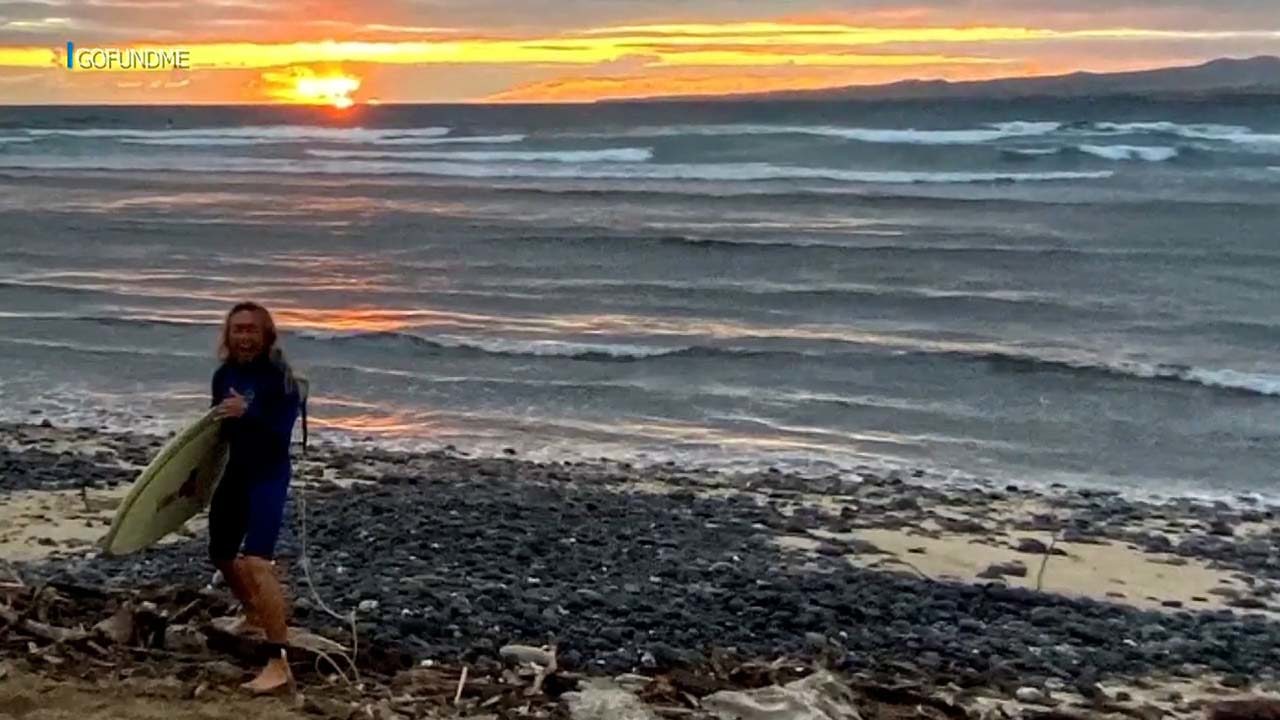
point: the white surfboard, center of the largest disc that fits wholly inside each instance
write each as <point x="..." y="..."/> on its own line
<point x="175" y="487"/>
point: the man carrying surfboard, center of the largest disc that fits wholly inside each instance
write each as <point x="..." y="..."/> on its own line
<point x="257" y="399"/>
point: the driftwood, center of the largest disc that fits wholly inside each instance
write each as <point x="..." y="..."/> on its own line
<point x="302" y="645"/>
<point x="41" y="630"/>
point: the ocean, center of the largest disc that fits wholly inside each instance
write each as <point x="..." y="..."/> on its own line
<point x="1084" y="292"/>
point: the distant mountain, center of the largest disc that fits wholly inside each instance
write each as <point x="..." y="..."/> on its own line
<point x="1259" y="75"/>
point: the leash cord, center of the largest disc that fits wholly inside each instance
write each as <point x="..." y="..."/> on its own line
<point x="306" y="562"/>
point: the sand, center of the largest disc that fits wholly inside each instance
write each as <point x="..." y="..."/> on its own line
<point x="1106" y="572"/>
<point x="37" y="523"/>
<point x="29" y="697"/>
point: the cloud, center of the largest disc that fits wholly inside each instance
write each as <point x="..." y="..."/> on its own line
<point x="730" y="44"/>
<point x="633" y="46"/>
<point x="586" y="88"/>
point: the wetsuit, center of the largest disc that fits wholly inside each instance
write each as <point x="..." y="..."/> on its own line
<point x="248" y="507"/>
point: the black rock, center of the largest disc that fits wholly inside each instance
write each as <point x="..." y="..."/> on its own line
<point x="570" y="660"/>
<point x="1074" y="535"/>
<point x="905" y="504"/>
<point x="830" y="550"/>
<point x="1032" y="546"/>
<point x="999" y="570"/>
<point x="482" y="648"/>
<point x="615" y="635"/>
<point x="1221" y="528"/>
<point x="1155" y="543"/>
<point x="1235" y="681"/>
<point x="962" y="525"/>
<point x="1045" y="616"/>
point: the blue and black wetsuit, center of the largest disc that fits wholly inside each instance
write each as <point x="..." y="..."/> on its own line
<point x="248" y="507"/>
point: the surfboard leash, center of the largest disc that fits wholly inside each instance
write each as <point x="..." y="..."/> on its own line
<point x="304" y="389"/>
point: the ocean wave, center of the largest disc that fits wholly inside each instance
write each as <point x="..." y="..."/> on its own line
<point x="1260" y="384"/>
<point x="615" y="155"/>
<point x="14" y="140"/>
<point x="414" y="140"/>
<point x="781" y="291"/>
<point x="1022" y="128"/>
<point x="1223" y="379"/>
<point x="1226" y="133"/>
<point x="1130" y="152"/>
<point x="985" y="134"/>
<point x="499" y="346"/>
<point x="509" y="139"/>
<point x="1153" y="153"/>
<point x="1034" y="152"/>
<point x="259" y="133"/>
<point x="908" y="136"/>
<point x="710" y="172"/>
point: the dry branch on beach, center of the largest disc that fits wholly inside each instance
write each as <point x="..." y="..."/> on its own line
<point x="158" y="635"/>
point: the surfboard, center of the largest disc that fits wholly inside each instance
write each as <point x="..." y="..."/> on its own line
<point x="174" y="488"/>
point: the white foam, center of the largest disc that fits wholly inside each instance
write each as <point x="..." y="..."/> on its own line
<point x="619" y="155"/>
<point x="1023" y="127"/>
<point x="555" y="348"/>
<point x="14" y="140"/>
<point x="1036" y="152"/>
<point x="711" y="172"/>
<point x="1226" y="133"/>
<point x="909" y="136"/>
<point x="208" y="141"/>
<point x="511" y="346"/>
<point x="510" y="139"/>
<point x="1260" y="383"/>
<point x="1131" y="152"/>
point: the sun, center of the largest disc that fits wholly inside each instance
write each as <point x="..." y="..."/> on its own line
<point x="305" y="86"/>
<point x="332" y="90"/>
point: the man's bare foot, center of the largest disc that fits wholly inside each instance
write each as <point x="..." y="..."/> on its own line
<point x="275" y="677"/>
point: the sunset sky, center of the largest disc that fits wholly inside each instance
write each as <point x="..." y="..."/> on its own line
<point x="576" y="50"/>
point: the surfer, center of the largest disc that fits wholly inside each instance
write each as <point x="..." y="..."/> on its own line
<point x="256" y="396"/>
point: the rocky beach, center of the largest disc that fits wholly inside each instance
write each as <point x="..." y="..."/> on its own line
<point x="1000" y="598"/>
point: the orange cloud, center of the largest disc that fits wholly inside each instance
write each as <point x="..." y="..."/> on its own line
<point x="668" y="43"/>
<point x="587" y="89"/>
<point x="627" y="60"/>
<point x="771" y="58"/>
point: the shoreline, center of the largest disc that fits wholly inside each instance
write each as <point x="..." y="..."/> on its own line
<point x="446" y="558"/>
<point x="86" y="439"/>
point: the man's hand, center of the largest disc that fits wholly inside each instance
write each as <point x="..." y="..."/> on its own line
<point x="233" y="407"/>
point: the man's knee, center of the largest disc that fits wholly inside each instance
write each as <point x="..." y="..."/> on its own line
<point x="255" y="564"/>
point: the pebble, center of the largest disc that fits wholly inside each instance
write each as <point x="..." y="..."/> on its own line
<point x="1031" y="696"/>
<point x="999" y="570"/>
<point x="722" y="580"/>
<point x="1032" y="546"/>
<point x="524" y="654"/>
<point x="224" y="671"/>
